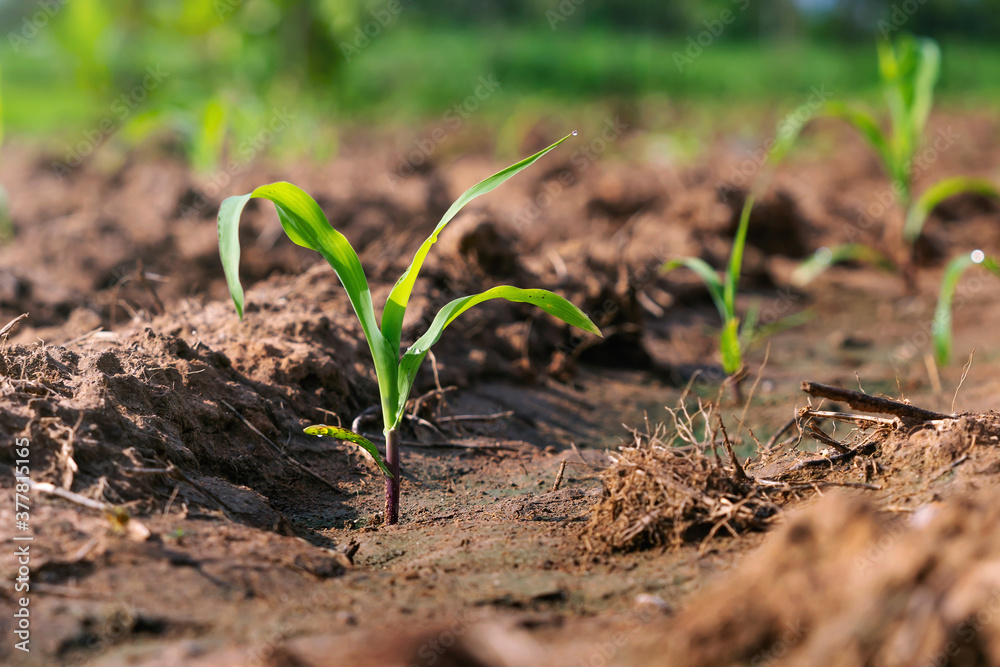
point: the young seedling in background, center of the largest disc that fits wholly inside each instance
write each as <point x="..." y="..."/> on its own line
<point x="305" y="224"/>
<point x="722" y="288"/>
<point x="941" y="328"/>
<point x="908" y="69"/>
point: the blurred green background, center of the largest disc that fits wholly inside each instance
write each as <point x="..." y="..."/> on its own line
<point x="211" y="74"/>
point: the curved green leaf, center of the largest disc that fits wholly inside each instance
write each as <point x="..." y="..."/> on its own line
<point x="928" y="69"/>
<point x="824" y="258"/>
<point x="941" y="328"/>
<point x="869" y="128"/>
<point x="937" y="193"/>
<point x="708" y="275"/>
<point x="305" y="224"/>
<point x="732" y="278"/>
<point x="395" y="305"/>
<point x="350" y="436"/>
<point x="553" y="304"/>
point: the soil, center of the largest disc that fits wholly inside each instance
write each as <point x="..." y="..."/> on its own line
<point x="229" y="537"/>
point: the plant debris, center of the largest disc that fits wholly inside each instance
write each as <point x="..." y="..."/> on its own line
<point x="656" y="494"/>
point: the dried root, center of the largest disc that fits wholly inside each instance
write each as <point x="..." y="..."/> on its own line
<point x="658" y="494"/>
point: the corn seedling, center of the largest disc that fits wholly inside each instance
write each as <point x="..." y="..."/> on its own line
<point x="908" y="69"/>
<point x="722" y="288"/>
<point x="941" y="328"/>
<point x="305" y="224"/>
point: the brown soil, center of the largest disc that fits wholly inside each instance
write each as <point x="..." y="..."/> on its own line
<point x="264" y="545"/>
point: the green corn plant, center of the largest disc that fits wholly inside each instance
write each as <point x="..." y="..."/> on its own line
<point x="908" y="69"/>
<point x="306" y="225"/>
<point x="941" y="328"/>
<point x="722" y="288"/>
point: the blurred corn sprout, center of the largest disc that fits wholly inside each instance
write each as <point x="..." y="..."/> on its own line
<point x="942" y="326"/>
<point x="722" y="287"/>
<point x="908" y="69"/>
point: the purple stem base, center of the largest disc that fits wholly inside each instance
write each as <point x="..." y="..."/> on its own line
<point x="392" y="483"/>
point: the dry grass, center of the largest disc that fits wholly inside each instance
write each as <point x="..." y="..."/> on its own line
<point x="669" y="491"/>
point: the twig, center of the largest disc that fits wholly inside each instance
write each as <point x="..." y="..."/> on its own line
<point x="58" y="491"/>
<point x="117" y="514"/>
<point x="585" y="461"/>
<point x="756" y="382"/>
<point x="785" y="486"/>
<point x="419" y="402"/>
<point x="173" y="472"/>
<point x="365" y="414"/>
<point x="9" y="327"/>
<point x="965" y="372"/>
<point x="740" y="474"/>
<point x="476" y="418"/>
<point x="820" y="436"/>
<point x="828" y="460"/>
<point x="773" y="440"/>
<point x="420" y="421"/>
<point x="858" y="420"/>
<point x="65" y="455"/>
<point x="281" y="454"/>
<point x="932" y="373"/>
<point x="878" y="405"/>
<point x="559" y="476"/>
<point x="141" y="273"/>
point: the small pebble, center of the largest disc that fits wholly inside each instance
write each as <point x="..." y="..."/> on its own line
<point x="652" y="601"/>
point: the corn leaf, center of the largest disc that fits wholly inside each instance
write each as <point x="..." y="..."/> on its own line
<point x="941" y="328"/>
<point x="936" y="194"/>
<point x="928" y="69"/>
<point x="824" y="258"/>
<point x="395" y="306"/>
<point x="553" y="304"/>
<point x="305" y="224"/>
<point x="350" y="436"/>
<point x="732" y="278"/>
<point x="869" y="128"/>
<point x="708" y="275"/>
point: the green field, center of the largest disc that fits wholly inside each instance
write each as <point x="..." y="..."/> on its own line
<point x="406" y="77"/>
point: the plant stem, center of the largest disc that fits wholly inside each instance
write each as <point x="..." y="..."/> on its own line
<point x="392" y="483"/>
